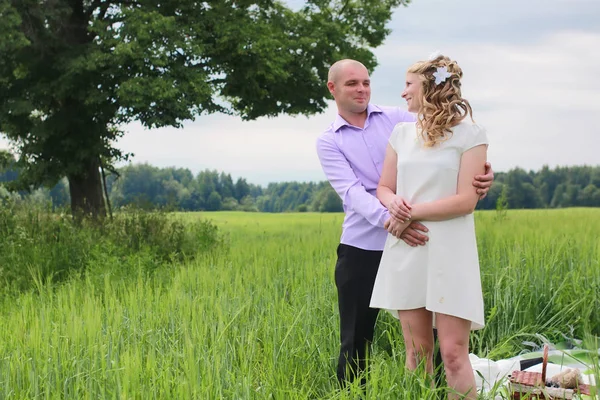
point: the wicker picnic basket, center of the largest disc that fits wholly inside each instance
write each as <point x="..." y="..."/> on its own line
<point x="533" y="385"/>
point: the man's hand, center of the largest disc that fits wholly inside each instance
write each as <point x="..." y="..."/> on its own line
<point x="399" y="209"/>
<point x="484" y="182"/>
<point x="414" y="235"/>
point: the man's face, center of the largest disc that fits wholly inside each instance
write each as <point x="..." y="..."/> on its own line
<point x="351" y="89"/>
<point x="413" y="92"/>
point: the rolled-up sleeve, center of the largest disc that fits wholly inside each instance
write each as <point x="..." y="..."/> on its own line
<point x="344" y="181"/>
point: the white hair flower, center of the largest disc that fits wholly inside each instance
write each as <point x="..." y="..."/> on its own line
<point x="441" y="75"/>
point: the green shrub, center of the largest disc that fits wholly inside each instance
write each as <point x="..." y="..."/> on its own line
<point x="37" y="246"/>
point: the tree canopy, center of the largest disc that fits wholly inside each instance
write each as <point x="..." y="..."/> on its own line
<point x="72" y="72"/>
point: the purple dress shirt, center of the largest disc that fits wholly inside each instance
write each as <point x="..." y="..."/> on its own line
<point x="352" y="159"/>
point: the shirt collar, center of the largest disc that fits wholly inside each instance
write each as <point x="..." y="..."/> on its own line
<point x="339" y="121"/>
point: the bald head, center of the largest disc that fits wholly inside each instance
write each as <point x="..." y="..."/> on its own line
<point x="337" y="69"/>
<point x="349" y="84"/>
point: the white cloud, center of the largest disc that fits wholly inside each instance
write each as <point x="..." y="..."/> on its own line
<point x="261" y="151"/>
<point x="537" y="100"/>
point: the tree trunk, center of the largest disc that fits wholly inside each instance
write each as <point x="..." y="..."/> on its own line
<point x="87" y="199"/>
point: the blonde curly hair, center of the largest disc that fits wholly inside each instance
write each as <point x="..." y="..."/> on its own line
<point x="442" y="105"/>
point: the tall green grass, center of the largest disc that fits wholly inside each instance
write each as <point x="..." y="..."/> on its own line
<point x="259" y="320"/>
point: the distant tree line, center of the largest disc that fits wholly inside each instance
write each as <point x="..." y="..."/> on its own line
<point x="547" y="188"/>
<point x="150" y="187"/>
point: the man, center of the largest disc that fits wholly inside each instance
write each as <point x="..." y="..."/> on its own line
<point x="351" y="152"/>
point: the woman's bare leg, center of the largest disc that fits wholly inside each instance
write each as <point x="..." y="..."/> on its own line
<point x="453" y="335"/>
<point x="418" y="337"/>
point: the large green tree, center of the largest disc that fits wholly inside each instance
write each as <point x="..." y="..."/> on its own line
<point x="5" y="159"/>
<point x="73" y="71"/>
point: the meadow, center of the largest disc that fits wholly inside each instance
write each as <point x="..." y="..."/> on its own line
<point x="256" y="318"/>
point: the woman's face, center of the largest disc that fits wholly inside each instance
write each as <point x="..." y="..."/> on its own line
<point x="413" y="92"/>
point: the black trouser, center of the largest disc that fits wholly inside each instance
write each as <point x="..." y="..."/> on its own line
<point x="355" y="273"/>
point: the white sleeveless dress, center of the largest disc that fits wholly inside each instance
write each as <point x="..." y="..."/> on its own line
<point x="442" y="276"/>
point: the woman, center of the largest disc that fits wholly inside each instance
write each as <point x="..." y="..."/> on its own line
<point x="427" y="176"/>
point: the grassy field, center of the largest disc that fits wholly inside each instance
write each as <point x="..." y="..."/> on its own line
<point x="258" y="319"/>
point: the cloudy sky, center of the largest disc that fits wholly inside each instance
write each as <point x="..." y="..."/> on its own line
<point x="532" y="75"/>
